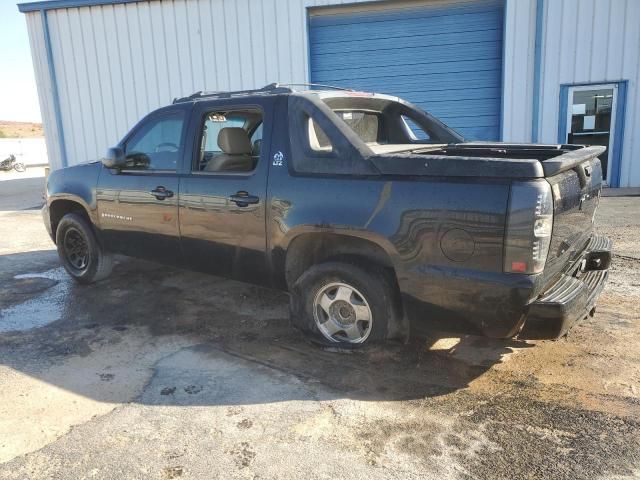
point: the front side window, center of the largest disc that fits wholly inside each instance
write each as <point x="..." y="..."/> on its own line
<point x="230" y="141"/>
<point x="156" y="145"/>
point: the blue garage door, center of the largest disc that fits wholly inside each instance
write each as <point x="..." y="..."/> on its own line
<point x="444" y="57"/>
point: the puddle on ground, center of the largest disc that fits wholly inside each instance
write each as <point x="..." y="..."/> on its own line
<point x="44" y="308"/>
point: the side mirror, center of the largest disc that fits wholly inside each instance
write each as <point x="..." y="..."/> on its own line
<point x="114" y="158"/>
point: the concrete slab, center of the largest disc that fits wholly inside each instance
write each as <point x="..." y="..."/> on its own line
<point x="182" y="375"/>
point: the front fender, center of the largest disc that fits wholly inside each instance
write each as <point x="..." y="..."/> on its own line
<point x="76" y="184"/>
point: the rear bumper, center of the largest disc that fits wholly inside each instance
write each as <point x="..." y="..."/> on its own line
<point x="572" y="297"/>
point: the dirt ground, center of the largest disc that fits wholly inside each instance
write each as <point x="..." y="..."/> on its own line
<point x="162" y="373"/>
<point x="20" y="129"/>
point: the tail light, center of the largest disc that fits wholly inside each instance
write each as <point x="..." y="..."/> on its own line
<point x="529" y="226"/>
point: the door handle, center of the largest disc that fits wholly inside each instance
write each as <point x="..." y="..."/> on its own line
<point x="243" y="199"/>
<point x="161" y="193"/>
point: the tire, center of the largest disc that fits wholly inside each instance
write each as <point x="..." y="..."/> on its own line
<point x="19" y="167"/>
<point x="329" y="298"/>
<point x="79" y="251"/>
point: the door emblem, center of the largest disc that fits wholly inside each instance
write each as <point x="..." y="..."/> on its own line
<point x="113" y="216"/>
<point x="278" y="159"/>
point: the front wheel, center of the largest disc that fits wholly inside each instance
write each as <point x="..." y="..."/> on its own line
<point x="19" y="167"/>
<point x="341" y="304"/>
<point x="79" y="251"/>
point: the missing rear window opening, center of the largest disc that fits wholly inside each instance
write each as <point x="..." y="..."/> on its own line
<point x="365" y="124"/>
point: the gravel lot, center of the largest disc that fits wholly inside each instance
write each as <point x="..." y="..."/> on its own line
<point x="161" y="373"/>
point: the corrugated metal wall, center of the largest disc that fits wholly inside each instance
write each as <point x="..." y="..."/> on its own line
<point x="589" y="41"/>
<point x="115" y="63"/>
<point x="519" y="47"/>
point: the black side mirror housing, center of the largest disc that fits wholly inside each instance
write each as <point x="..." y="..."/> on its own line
<point x="114" y="158"/>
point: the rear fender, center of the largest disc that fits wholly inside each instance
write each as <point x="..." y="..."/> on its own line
<point x="307" y="245"/>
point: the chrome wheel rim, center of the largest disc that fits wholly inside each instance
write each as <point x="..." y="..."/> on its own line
<point x="76" y="249"/>
<point x="342" y="313"/>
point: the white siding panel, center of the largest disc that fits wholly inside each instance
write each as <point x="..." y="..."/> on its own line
<point x="270" y="38"/>
<point x="80" y="96"/>
<point x="630" y="168"/>
<point x="68" y="88"/>
<point x="223" y="55"/>
<point x="593" y="41"/>
<point x="196" y="44"/>
<point x="92" y="79"/>
<point x="43" y="84"/>
<point x="519" y="45"/>
<point x="183" y="61"/>
<point x="131" y="21"/>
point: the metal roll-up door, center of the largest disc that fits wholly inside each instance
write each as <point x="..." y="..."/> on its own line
<point x="445" y="56"/>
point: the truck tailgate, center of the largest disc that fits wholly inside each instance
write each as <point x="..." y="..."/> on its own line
<point x="576" y="187"/>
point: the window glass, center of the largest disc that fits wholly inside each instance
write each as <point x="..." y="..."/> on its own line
<point x="213" y="124"/>
<point x="590" y="116"/>
<point x="256" y="140"/>
<point x="415" y="132"/>
<point x="318" y="140"/>
<point x="365" y="124"/>
<point x="227" y="144"/>
<point x="157" y="144"/>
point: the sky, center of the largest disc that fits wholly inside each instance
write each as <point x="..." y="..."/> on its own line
<point x="18" y="94"/>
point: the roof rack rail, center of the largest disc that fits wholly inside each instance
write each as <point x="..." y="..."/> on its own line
<point x="321" y="85"/>
<point x="271" y="88"/>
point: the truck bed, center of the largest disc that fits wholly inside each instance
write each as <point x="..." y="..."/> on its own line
<point x="499" y="160"/>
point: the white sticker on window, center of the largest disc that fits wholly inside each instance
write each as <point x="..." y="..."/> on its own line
<point x="579" y="109"/>
<point x="589" y="122"/>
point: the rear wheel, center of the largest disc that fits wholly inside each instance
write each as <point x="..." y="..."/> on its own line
<point x="19" y="167"/>
<point x="79" y="251"/>
<point x="338" y="303"/>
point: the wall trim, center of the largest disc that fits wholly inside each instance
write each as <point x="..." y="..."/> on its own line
<point x="618" y="139"/>
<point x="537" y="72"/>
<point x="54" y="4"/>
<point x="503" y="61"/>
<point x="55" y="98"/>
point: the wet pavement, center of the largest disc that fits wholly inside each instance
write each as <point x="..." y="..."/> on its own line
<point x="162" y="373"/>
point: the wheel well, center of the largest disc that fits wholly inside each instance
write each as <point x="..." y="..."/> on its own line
<point x="59" y="208"/>
<point x="313" y="248"/>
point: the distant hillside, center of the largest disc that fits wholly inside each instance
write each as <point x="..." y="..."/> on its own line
<point x="20" y="129"/>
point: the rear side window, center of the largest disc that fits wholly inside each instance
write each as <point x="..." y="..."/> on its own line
<point x="157" y="144"/>
<point x="415" y="132"/>
<point x="318" y="140"/>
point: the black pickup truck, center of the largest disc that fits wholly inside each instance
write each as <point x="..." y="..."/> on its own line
<point x="375" y="216"/>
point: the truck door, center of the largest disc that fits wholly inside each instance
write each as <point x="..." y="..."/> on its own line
<point x="138" y="205"/>
<point x="223" y="193"/>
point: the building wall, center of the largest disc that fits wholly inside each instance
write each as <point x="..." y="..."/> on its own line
<point x="43" y="83"/>
<point x="115" y="63"/>
<point x="519" y="46"/>
<point x="592" y="41"/>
